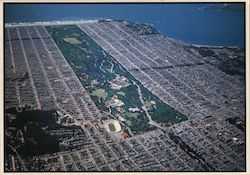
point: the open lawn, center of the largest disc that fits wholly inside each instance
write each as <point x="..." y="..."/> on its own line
<point x="121" y="93"/>
<point x="93" y="83"/>
<point x="112" y="127"/>
<point x="132" y="114"/>
<point x="100" y="93"/>
<point x="72" y="40"/>
<point x="128" y="123"/>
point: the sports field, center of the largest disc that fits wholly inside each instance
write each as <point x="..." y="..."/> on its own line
<point x="112" y="127"/>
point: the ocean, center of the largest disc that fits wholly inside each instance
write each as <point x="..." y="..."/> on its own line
<point x="188" y="22"/>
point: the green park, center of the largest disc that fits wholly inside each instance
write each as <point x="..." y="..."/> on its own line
<point x="115" y="92"/>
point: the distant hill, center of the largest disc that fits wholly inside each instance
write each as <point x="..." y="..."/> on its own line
<point x="236" y="7"/>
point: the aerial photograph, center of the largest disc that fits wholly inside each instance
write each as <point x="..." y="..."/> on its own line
<point x="124" y="87"/>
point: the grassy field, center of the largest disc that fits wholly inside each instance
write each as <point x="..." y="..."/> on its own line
<point x="132" y="114"/>
<point x="121" y="93"/>
<point x="112" y="127"/>
<point x="72" y="40"/>
<point x="100" y="93"/>
<point x="128" y="123"/>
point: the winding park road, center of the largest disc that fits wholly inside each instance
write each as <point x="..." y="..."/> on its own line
<point x="151" y="122"/>
<point x="100" y="67"/>
<point x="112" y="67"/>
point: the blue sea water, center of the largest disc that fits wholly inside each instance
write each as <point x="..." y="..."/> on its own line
<point x="186" y="22"/>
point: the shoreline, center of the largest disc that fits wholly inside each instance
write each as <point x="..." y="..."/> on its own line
<point x="82" y="21"/>
<point x="214" y="46"/>
<point x="44" y="23"/>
